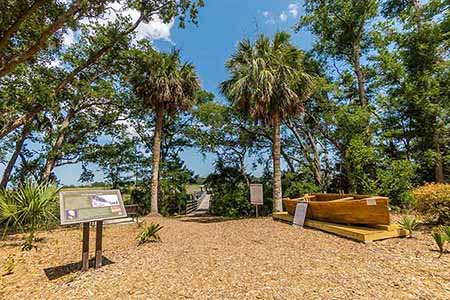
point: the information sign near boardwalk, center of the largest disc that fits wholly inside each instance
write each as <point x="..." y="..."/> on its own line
<point x="85" y="206"/>
<point x="256" y="195"/>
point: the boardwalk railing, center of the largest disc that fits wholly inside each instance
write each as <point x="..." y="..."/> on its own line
<point x="193" y="203"/>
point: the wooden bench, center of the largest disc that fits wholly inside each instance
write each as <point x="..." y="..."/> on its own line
<point x="133" y="211"/>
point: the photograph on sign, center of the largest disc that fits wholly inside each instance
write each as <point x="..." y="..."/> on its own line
<point x="104" y="200"/>
<point x="300" y="214"/>
<point x="256" y="194"/>
<point x="87" y="206"/>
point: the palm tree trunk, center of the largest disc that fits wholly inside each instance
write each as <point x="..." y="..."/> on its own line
<point x="19" y="144"/>
<point x="276" y="155"/>
<point x="156" y="158"/>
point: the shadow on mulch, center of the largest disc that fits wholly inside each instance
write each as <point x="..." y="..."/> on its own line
<point x="60" y="271"/>
<point x="206" y="220"/>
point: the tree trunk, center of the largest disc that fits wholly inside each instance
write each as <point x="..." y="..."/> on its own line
<point x="19" y="144"/>
<point x="242" y="169"/>
<point x="156" y="158"/>
<point x="53" y="153"/>
<point x="359" y="76"/>
<point x="314" y="162"/>
<point x="277" y="193"/>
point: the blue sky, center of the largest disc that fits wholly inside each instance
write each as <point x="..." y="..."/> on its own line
<point x="222" y="23"/>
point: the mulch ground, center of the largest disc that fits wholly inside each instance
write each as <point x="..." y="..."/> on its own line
<point x="209" y="258"/>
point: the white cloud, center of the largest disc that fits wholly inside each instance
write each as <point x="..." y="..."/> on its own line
<point x="69" y="38"/>
<point x="155" y="29"/>
<point x="269" y="18"/>
<point x="293" y="10"/>
<point x="283" y="17"/>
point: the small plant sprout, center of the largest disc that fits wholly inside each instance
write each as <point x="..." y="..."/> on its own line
<point x="149" y="234"/>
<point x="440" y="238"/>
<point x="409" y="223"/>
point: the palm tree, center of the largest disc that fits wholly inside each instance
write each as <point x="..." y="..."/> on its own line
<point x="166" y="86"/>
<point x="269" y="84"/>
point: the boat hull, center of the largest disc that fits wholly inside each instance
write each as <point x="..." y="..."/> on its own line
<point x="367" y="211"/>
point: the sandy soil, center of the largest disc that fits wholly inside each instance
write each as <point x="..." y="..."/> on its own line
<point x="227" y="259"/>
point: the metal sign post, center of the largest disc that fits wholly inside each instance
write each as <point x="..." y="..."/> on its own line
<point x="256" y="196"/>
<point x="87" y="206"/>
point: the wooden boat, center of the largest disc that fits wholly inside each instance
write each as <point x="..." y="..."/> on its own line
<point x="344" y="209"/>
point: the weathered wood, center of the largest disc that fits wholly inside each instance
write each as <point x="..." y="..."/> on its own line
<point x="350" y="211"/>
<point x="358" y="233"/>
<point x="372" y="210"/>
<point x="85" y="251"/>
<point x="98" y="244"/>
<point x="331" y="196"/>
<point x="343" y="199"/>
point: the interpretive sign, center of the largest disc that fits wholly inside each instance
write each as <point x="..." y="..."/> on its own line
<point x="256" y="194"/>
<point x="85" y="206"/>
<point x="93" y="205"/>
<point x="300" y="214"/>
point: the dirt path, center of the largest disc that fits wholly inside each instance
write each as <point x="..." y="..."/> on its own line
<point x="208" y="258"/>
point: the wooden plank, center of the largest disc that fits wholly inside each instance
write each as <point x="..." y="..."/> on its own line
<point x="331" y="196"/>
<point x="361" y="234"/>
<point x="85" y="251"/>
<point x="385" y="227"/>
<point x="98" y="244"/>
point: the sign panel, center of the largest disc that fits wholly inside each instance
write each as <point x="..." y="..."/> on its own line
<point x="300" y="214"/>
<point x="90" y="205"/>
<point x="256" y="194"/>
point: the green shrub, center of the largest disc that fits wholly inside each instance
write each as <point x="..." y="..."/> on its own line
<point x="396" y="182"/>
<point x="409" y="223"/>
<point x="149" y="234"/>
<point x="28" y="208"/>
<point x="173" y="193"/>
<point x="433" y="201"/>
<point x="297" y="185"/>
<point x="229" y="192"/>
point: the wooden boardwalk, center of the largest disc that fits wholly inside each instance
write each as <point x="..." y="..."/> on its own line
<point x="203" y="206"/>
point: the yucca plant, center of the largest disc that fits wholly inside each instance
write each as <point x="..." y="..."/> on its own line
<point x="149" y="234"/>
<point x="29" y="207"/>
<point x="440" y="238"/>
<point x="409" y="223"/>
<point x="446" y="231"/>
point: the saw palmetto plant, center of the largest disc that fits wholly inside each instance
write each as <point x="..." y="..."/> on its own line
<point x="409" y="223"/>
<point x="440" y="239"/>
<point x="28" y="208"/>
<point x="149" y="234"/>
